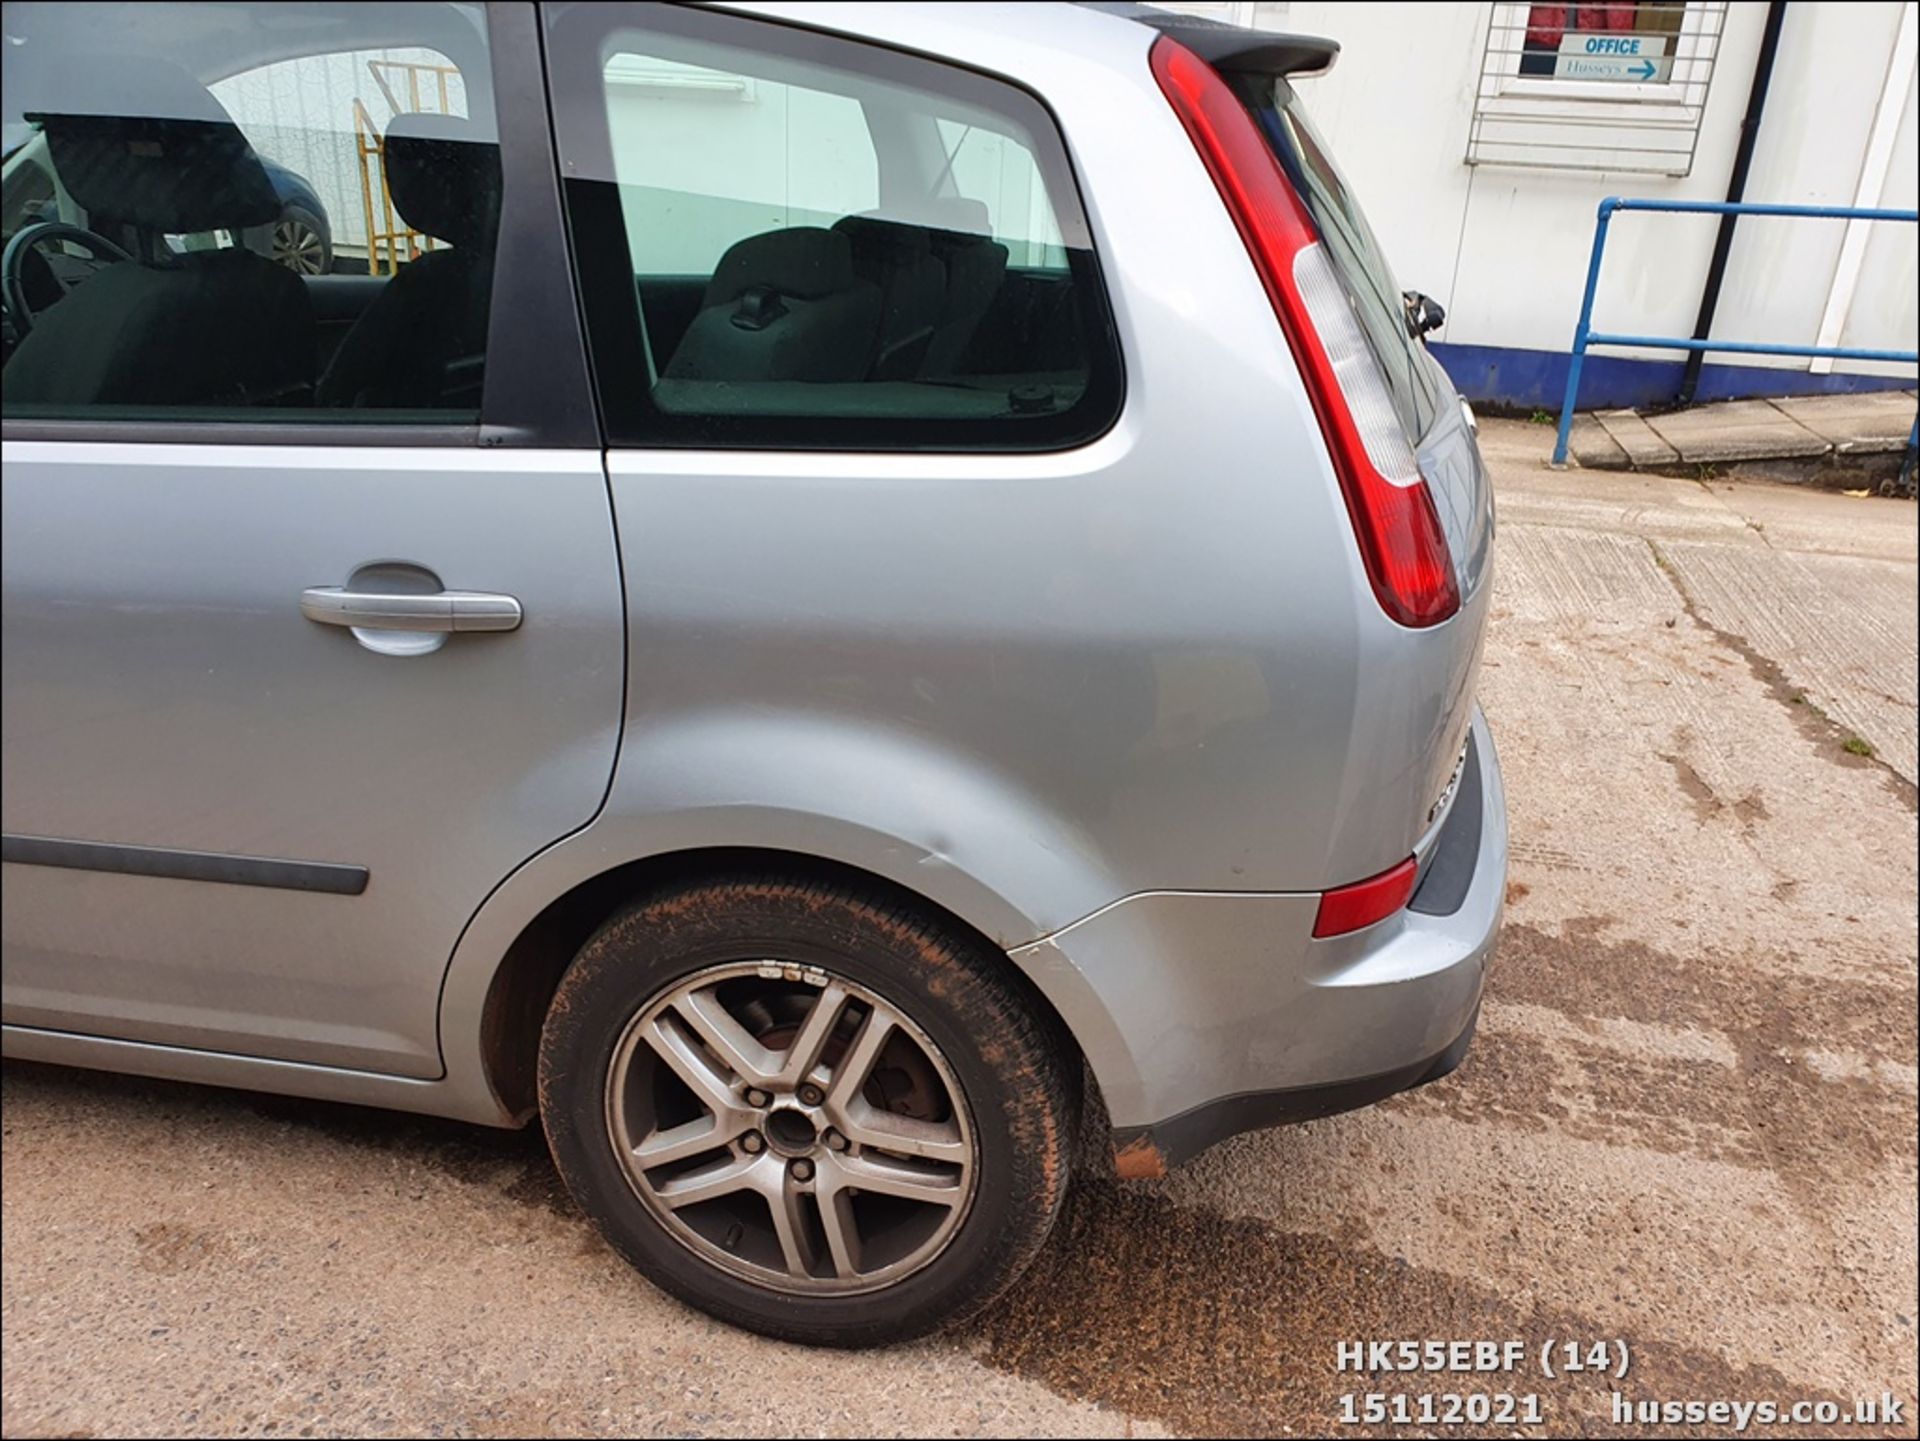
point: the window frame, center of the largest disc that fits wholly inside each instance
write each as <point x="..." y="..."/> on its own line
<point x="577" y="36"/>
<point x="1687" y="74"/>
<point x="536" y="391"/>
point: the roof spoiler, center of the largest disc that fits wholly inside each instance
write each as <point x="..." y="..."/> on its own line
<point x="1232" y="47"/>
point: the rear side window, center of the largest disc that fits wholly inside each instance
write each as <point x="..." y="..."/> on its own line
<point x="789" y="240"/>
<point x="1357" y="258"/>
<point x="248" y="213"/>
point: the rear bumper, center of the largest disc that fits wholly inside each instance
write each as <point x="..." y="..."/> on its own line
<point x="1142" y="1152"/>
<point x="1207" y="1013"/>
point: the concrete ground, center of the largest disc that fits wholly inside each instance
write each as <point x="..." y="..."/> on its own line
<point x="1688" y="1123"/>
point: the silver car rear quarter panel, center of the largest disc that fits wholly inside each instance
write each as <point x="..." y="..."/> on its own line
<point x="1184" y="998"/>
<point x="1029" y="686"/>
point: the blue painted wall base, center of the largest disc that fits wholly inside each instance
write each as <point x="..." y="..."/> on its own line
<point x="1537" y="379"/>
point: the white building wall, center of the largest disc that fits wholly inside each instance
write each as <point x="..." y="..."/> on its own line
<point x="1505" y="249"/>
<point x="1891" y="274"/>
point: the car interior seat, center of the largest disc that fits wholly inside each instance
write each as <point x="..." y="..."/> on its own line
<point x="783" y="305"/>
<point x="898" y="260"/>
<point x="147" y="151"/>
<point x="961" y="238"/>
<point x="422" y="343"/>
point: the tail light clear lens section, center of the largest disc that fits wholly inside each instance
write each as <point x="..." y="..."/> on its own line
<point x="1401" y="542"/>
<point x="1355" y="370"/>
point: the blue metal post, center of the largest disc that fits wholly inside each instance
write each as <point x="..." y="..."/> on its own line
<point x="1579" y="356"/>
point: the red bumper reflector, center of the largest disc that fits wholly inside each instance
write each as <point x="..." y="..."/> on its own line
<point x="1361" y="904"/>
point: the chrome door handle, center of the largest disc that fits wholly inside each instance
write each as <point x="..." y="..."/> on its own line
<point x="454" y="610"/>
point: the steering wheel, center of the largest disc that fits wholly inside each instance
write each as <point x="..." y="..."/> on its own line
<point x="13" y="264"/>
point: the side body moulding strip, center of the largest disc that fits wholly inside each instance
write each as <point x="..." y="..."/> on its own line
<point x="327" y="876"/>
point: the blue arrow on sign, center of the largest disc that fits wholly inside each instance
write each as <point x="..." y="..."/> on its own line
<point x="1645" y="72"/>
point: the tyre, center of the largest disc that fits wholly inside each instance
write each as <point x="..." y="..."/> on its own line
<point x="299" y="242"/>
<point x="806" y="1109"/>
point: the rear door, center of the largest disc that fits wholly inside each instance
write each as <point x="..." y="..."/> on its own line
<point x="295" y="673"/>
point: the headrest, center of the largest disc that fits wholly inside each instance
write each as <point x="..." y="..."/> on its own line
<point x="959" y="216"/>
<point x="804" y="262"/>
<point x="946" y="216"/>
<point x="141" y="142"/>
<point x="884" y="235"/>
<point x="444" y="175"/>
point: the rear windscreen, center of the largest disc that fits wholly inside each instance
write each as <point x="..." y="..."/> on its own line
<point x="1356" y="255"/>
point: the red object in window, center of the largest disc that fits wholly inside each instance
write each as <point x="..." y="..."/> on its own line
<point x="1350" y="908"/>
<point x="1546" y="24"/>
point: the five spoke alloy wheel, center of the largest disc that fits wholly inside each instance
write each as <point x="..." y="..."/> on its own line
<point x="791" y="1127"/>
<point x="809" y="1106"/>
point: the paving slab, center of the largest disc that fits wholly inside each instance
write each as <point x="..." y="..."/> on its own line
<point x="1735" y="430"/>
<point x="1593" y="448"/>
<point x="1864" y="424"/>
<point x="1643" y="445"/>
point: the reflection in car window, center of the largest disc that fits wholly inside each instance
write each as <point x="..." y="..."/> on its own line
<point x="228" y="232"/>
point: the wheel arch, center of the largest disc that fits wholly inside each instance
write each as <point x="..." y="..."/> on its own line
<point x="491" y="1016"/>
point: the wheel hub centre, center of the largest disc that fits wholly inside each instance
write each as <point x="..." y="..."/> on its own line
<point x="791" y="1133"/>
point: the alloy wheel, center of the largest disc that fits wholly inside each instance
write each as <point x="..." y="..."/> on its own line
<point x="791" y="1127"/>
<point x="297" y="245"/>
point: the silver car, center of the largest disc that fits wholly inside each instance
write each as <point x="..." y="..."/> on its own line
<point x="822" y="596"/>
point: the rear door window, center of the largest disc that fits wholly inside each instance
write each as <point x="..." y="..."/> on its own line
<point x="1376" y="297"/>
<point x="794" y="240"/>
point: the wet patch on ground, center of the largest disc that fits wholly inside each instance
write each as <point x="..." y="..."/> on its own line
<point x="168" y="1248"/>
<point x="1222" y="1327"/>
<point x="1583" y="973"/>
<point x="1708" y="803"/>
<point x="1772" y="1109"/>
<point x="1753" y="1115"/>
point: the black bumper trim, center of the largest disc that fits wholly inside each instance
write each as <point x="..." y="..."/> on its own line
<point x="1180" y="1139"/>
<point x="1448" y="874"/>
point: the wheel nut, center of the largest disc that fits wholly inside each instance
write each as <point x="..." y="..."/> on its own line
<point x="811" y="1096"/>
<point x="836" y="1141"/>
<point x="751" y="1143"/>
<point x="757" y="1097"/>
<point x="803" y="1170"/>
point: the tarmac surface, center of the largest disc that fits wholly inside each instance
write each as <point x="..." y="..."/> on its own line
<point x="1688" y="1122"/>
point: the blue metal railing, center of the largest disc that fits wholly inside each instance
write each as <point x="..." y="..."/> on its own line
<point x="1584" y="335"/>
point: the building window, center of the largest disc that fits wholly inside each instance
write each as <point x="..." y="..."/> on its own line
<point x="1617" y="87"/>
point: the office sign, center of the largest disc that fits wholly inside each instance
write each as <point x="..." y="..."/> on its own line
<point x="1621" y="55"/>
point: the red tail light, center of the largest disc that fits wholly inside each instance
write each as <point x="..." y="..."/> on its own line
<point x="1401" y="543"/>
<point x="1364" y="902"/>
